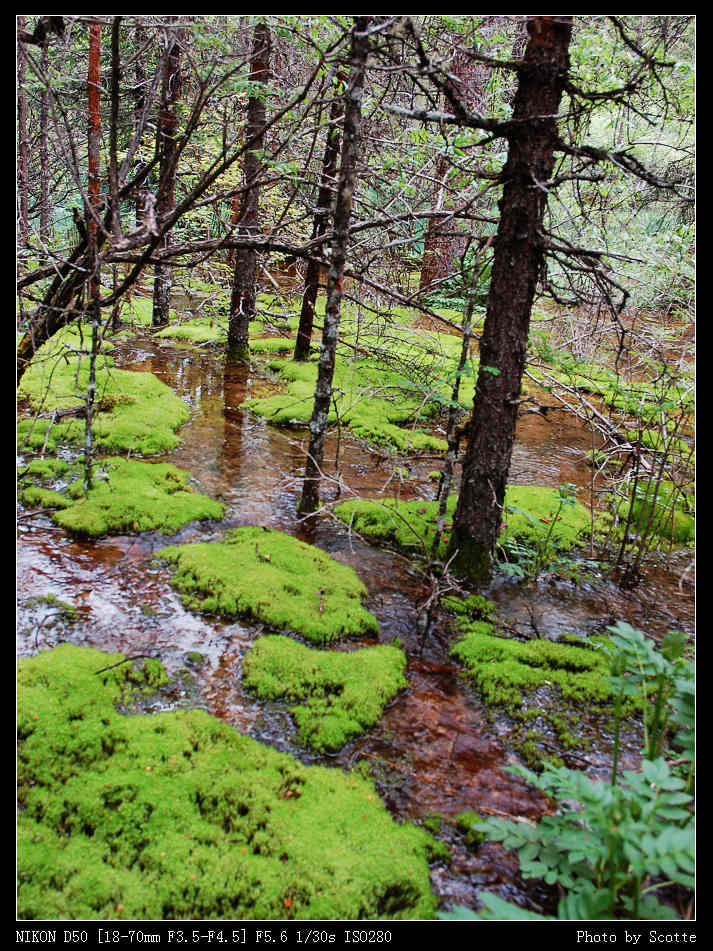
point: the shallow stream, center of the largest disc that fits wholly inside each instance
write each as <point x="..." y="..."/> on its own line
<point x="435" y="751"/>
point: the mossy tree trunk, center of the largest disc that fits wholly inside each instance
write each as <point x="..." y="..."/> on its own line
<point x="319" y="225"/>
<point x="168" y="150"/>
<point x="342" y="217"/>
<point x="517" y="260"/>
<point x="244" y="293"/>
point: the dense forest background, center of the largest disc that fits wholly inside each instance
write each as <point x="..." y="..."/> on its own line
<point x="421" y="233"/>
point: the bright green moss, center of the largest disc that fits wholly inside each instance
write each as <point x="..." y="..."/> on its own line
<point x="410" y="525"/>
<point x="127" y="496"/>
<point x="134" y="411"/>
<point x="274" y="578"/>
<point x="503" y="669"/>
<point x="468" y="823"/>
<point x="201" y="330"/>
<point x="177" y="816"/>
<point x="340" y="694"/>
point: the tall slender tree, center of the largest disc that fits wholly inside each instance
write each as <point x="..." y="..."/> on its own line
<point x="517" y="261"/>
<point x="342" y="217"/>
<point x="168" y="150"/>
<point x="244" y="293"/>
<point x="22" y="145"/>
<point x="92" y="218"/>
<point x="320" y="223"/>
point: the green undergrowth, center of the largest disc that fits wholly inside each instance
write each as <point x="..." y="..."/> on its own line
<point x="176" y="816"/>
<point x="272" y="577"/>
<point x="663" y="509"/>
<point x="134" y="412"/>
<point x="128" y="495"/>
<point x="338" y="695"/>
<point x="572" y="674"/>
<point x="410" y="525"/>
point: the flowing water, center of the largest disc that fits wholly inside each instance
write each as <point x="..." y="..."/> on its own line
<point x="435" y="750"/>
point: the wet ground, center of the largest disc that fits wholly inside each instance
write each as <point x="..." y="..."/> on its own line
<point x="436" y="750"/>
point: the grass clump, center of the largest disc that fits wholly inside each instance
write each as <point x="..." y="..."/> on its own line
<point x="127" y="496"/>
<point x="339" y="695"/>
<point x="272" y="577"/>
<point x="178" y="816"/>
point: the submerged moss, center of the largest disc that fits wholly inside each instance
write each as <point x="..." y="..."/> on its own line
<point x="177" y="816"/>
<point x="342" y="694"/>
<point x="275" y="578"/>
<point x="410" y="525"/>
<point x="127" y="495"/>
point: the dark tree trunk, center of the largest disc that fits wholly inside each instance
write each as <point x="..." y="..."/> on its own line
<point x="516" y="267"/>
<point x="319" y="226"/>
<point x="139" y="101"/>
<point x="342" y="217"/>
<point x="23" y="148"/>
<point x="44" y="151"/>
<point x="243" y="297"/>
<point x="166" y="198"/>
<point x="94" y="85"/>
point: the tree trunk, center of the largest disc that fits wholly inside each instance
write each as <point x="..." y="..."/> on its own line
<point x="319" y="226"/>
<point x="139" y="101"/>
<point x="23" y="148"/>
<point x="93" y="188"/>
<point x="165" y="201"/>
<point x="342" y="217"/>
<point x="243" y="297"/>
<point x="44" y="151"/>
<point x="517" y="262"/>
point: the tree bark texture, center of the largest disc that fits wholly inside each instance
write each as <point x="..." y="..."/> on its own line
<point x="168" y="150"/>
<point x="44" y="151"/>
<point x="517" y="261"/>
<point x="94" y="133"/>
<point x="23" y="148"/>
<point x="342" y="217"/>
<point x="319" y="226"/>
<point x="244" y="293"/>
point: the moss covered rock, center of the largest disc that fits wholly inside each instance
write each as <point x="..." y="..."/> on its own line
<point x="177" y="816"/>
<point x="340" y="695"/>
<point x="663" y="509"/>
<point x="128" y="495"/>
<point x="265" y="574"/>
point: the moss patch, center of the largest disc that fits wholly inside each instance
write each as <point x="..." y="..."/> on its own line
<point x="265" y="574"/>
<point x="134" y="411"/>
<point x="410" y="525"/>
<point x="341" y="694"/>
<point x="128" y="495"/>
<point x="177" y="816"/>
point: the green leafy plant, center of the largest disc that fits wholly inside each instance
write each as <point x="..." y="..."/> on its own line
<point x="611" y="846"/>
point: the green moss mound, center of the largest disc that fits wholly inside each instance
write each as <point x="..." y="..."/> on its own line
<point x="504" y="669"/>
<point x="177" y="816"/>
<point x="373" y="401"/>
<point x="270" y="576"/>
<point x="127" y="496"/>
<point x="341" y="694"/>
<point x="410" y="526"/>
<point x="135" y="412"/>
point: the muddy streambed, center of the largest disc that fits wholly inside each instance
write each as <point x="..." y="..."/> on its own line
<point x="436" y="751"/>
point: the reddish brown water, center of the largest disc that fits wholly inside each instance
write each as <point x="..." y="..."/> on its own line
<point x="435" y="751"/>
